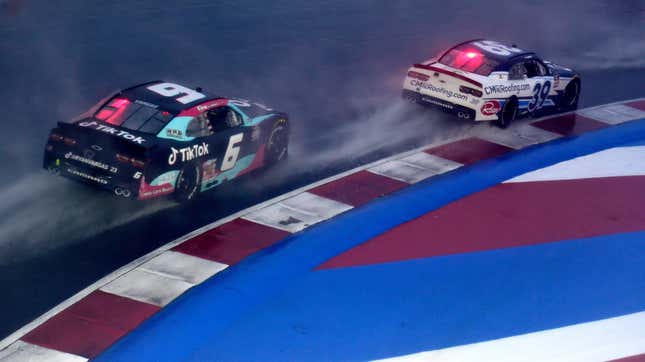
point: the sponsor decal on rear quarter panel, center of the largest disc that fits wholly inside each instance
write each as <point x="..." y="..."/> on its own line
<point x="440" y="90"/>
<point x="490" y="108"/>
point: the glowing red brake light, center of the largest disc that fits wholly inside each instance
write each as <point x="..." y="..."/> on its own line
<point x="113" y="111"/>
<point x="419" y="76"/>
<point x="471" y="55"/>
<point x="104" y="114"/>
<point x="119" y="103"/>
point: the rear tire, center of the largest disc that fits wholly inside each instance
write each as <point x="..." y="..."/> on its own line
<point x="571" y="95"/>
<point x="508" y="114"/>
<point x="187" y="186"/>
<point x="277" y="148"/>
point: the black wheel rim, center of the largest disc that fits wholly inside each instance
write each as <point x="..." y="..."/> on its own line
<point x="278" y="143"/>
<point x="187" y="184"/>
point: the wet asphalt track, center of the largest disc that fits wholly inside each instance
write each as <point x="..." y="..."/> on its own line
<point x="335" y="66"/>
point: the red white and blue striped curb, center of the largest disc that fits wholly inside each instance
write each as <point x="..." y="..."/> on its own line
<point x="283" y="286"/>
<point x="615" y="175"/>
<point x="89" y="322"/>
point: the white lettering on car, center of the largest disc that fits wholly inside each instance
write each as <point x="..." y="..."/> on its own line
<point x="187" y="153"/>
<point x="232" y="152"/>
<point x="443" y="91"/>
<point x="497" y="48"/>
<point x="239" y="102"/>
<point x="93" y="163"/>
<point x="113" y="131"/>
<point x="509" y="88"/>
<point x="87" y="176"/>
<point x="243" y="103"/>
<point x="173" y="90"/>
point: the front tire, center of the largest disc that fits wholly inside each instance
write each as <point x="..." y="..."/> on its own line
<point x="187" y="185"/>
<point x="277" y="148"/>
<point x="508" y="114"/>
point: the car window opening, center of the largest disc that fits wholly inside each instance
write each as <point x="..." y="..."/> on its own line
<point x="466" y="58"/>
<point x="130" y="115"/>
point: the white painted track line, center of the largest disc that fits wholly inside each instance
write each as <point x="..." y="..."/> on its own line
<point x="415" y="168"/>
<point x="180" y="266"/>
<point x="601" y="340"/>
<point x="533" y="135"/>
<point x="298" y="212"/>
<point x="148" y="287"/>
<point x="517" y="136"/>
<point x="619" y="161"/>
<point x="613" y="114"/>
<point x="21" y="351"/>
<point x="163" y="278"/>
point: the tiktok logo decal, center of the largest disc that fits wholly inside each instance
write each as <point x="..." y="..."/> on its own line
<point x="187" y="153"/>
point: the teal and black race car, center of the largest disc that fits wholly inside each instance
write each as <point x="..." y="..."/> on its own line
<point x="161" y="138"/>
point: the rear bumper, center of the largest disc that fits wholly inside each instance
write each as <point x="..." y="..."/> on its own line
<point x="437" y="103"/>
<point x="66" y="164"/>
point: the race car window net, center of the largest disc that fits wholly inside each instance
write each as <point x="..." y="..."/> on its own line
<point x="124" y="113"/>
<point x="517" y="71"/>
<point x="199" y="127"/>
<point x="466" y="58"/>
<point x="224" y="118"/>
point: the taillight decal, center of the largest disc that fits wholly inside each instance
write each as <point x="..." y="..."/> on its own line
<point x="468" y="90"/>
<point x="69" y="141"/>
<point x="122" y="158"/>
<point x="419" y="76"/>
<point x="56" y="137"/>
<point x="131" y="160"/>
<point x="137" y="163"/>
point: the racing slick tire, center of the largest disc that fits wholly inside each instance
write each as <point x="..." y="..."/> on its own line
<point x="277" y="148"/>
<point x="508" y="113"/>
<point x="571" y="95"/>
<point x="188" y="181"/>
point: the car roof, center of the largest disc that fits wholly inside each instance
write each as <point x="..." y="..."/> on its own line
<point x="497" y="56"/>
<point x="142" y="93"/>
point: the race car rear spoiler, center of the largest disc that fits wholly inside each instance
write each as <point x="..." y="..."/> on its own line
<point x="447" y="72"/>
<point x="91" y="131"/>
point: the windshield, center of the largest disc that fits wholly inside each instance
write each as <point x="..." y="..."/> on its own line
<point x="466" y="58"/>
<point x="134" y="116"/>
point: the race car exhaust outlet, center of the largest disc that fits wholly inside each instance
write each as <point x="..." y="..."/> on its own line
<point x="463" y="115"/>
<point x="53" y="170"/>
<point x="122" y="191"/>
